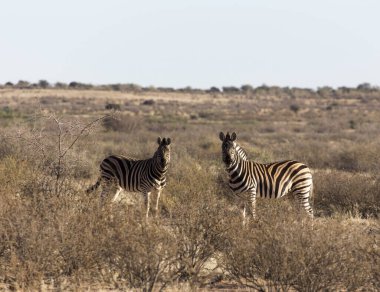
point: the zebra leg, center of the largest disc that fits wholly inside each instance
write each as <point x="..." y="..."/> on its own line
<point x="252" y="203"/>
<point x="249" y="207"/>
<point x="244" y="212"/>
<point x="158" y="198"/>
<point x="147" y="203"/>
<point x="304" y="202"/>
<point x="117" y="194"/>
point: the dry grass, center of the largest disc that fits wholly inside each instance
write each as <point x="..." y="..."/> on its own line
<point x="54" y="236"/>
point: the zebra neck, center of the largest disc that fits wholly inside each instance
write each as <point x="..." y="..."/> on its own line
<point x="158" y="168"/>
<point x="235" y="167"/>
<point x="241" y="152"/>
<point x="239" y="174"/>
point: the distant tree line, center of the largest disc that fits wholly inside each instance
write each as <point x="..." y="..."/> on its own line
<point x="249" y="90"/>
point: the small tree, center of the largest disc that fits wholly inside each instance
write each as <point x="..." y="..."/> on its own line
<point x="43" y="84"/>
<point x="22" y="84"/>
<point x="60" y="85"/>
<point x="364" y="86"/>
<point x="231" y="89"/>
<point x="214" y="89"/>
<point x="247" y="88"/>
<point x="294" y="108"/>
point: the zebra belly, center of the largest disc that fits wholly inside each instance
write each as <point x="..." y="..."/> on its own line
<point x="145" y="186"/>
<point x="273" y="194"/>
<point x="269" y="189"/>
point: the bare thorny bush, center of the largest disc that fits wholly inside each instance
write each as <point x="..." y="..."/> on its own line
<point x="51" y="147"/>
<point x="41" y="180"/>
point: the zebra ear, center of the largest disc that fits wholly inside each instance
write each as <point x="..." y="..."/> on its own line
<point x="233" y="136"/>
<point x="159" y="140"/>
<point x="168" y="141"/>
<point x="221" y="136"/>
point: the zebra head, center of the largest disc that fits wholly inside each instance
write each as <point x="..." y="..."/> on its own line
<point x="163" y="151"/>
<point x="229" y="154"/>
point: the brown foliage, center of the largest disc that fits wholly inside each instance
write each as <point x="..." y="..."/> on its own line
<point x="53" y="234"/>
<point x="283" y="252"/>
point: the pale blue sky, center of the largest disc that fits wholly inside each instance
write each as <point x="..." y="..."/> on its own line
<point x="198" y="43"/>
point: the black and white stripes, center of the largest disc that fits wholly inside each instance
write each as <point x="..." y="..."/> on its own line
<point x="143" y="176"/>
<point x="272" y="180"/>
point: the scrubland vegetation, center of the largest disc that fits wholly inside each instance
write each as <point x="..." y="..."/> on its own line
<point x="55" y="236"/>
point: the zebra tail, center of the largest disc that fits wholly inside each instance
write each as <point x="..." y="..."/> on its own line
<point x="311" y="191"/>
<point x="94" y="187"/>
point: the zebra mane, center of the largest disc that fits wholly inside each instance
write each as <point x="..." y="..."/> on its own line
<point x="241" y="152"/>
<point x="128" y="157"/>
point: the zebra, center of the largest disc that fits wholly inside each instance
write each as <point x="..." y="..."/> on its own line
<point x="143" y="176"/>
<point x="271" y="180"/>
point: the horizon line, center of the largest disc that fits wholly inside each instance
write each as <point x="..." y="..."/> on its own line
<point x="53" y="84"/>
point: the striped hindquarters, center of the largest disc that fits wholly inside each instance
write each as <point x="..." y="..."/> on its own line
<point x="277" y="179"/>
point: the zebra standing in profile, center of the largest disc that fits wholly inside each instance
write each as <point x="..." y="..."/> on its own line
<point x="272" y="180"/>
<point x="133" y="175"/>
